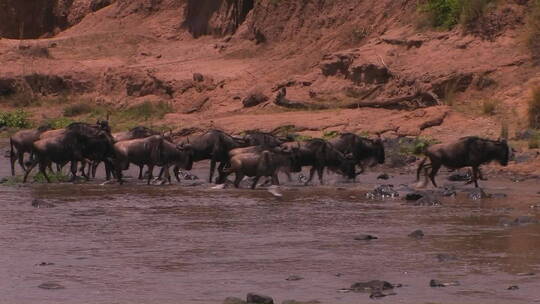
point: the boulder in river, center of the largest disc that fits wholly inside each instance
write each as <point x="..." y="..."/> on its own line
<point x="371" y="286"/>
<point x="477" y="194"/>
<point x="253" y="298"/>
<point x="382" y="192"/>
<point x="513" y="287"/>
<point x="39" y="203"/>
<point x="234" y="300"/>
<point x="417" y="234"/>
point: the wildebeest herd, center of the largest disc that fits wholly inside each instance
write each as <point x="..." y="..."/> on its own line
<point x="254" y="154"/>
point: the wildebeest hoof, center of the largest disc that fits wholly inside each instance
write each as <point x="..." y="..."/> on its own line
<point x="274" y="190"/>
<point x="437" y="283"/>
<point x="219" y="187"/>
<point x="417" y="234"/>
<point x="365" y="237"/>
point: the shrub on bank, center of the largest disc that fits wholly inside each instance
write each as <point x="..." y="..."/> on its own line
<point x="534" y="109"/>
<point x="533" y="31"/>
<point x="448" y="13"/>
<point x="16" y="119"/>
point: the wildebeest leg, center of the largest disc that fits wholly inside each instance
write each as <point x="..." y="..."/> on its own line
<point x="176" y="172"/>
<point x="43" y="170"/>
<point x="28" y="170"/>
<point x="255" y="181"/>
<point x="73" y="170"/>
<point x="141" y="167"/>
<point x="12" y="159"/>
<point x="212" y="168"/>
<point x="167" y="173"/>
<point x="434" y="169"/>
<point x="475" y="176"/>
<point x="150" y="173"/>
<point x="221" y="177"/>
<point x="311" y="174"/>
<point x="21" y="160"/>
<point x="118" y="168"/>
<point x="275" y="179"/>
<point x="320" y="172"/>
<point x="238" y="178"/>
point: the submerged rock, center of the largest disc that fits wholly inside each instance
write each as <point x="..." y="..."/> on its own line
<point x="437" y="283"/>
<point x="445" y="257"/>
<point x="365" y="237"/>
<point x="477" y="193"/>
<point x="383" y="176"/>
<point x="518" y="221"/>
<point x="513" y="287"/>
<point x="39" y="203"/>
<point x="382" y="192"/>
<point x="234" y="300"/>
<point x="428" y="200"/>
<point x="414" y="196"/>
<point x="371" y="286"/>
<point x="253" y="298"/>
<point x="51" y="285"/>
<point x="417" y="234"/>
<point x="460" y="177"/>
<point x="294" y="278"/>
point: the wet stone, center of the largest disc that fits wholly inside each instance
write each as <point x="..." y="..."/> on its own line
<point x="428" y="200"/>
<point x="39" y="203"/>
<point x="417" y="234"/>
<point x="460" y="177"/>
<point x="233" y="300"/>
<point x="513" y="287"/>
<point x="526" y="274"/>
<point x="437" y="283"/>
<point x="294" y="278"/>
<point x="51" y="286"/>
<point x="477" y="194"/>
<point x="518" y="221"/>
<point x="300" y="302"/>
<point x="445" y="257"/>
<point x="253" y="298"/>
<point x="371" y="286"/>
<point x="365" y="237"/>
<point x="382" y="192"/>
<point x="44" y="264"/>
<point x="413" y="196"/>
<point x="383" y="176"/>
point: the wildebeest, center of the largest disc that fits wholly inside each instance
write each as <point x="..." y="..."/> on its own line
<point x="214" y="145"/>
<point x="21" y="143"/>
<point x="362" y="149"/>
<point x="151" y="151"/>
<point x="320" y="154"/>
<point x="77" y="143"/>
<point x="469" y="151"/>
<point x="256" y="138"/>
<point x="258" y="161"/>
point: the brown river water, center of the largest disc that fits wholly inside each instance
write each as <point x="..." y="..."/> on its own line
<point x="189" y="243"/>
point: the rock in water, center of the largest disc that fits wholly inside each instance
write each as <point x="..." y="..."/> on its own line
<point x="233" y="300"/>
<point x="382" y="192"/>
<point x="417" y="234"/>
<point x="445" y="257"/>
<point x="51" y="285"/>
<point x="253" y="298"/>
<point x="437" y="283"/>
<point x="38" y="203"/>
<point x="477" y="194"/>
<point x="294" y="278"/>
<point x="365" y="237"/>
<point x="383" y="176"/>
<point x="513" y="287"/>
<point x="371" y="286"/>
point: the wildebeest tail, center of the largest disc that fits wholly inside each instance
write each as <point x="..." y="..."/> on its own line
<point x="420" y="166"/>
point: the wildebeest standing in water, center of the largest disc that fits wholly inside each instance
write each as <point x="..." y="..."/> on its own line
<point x="22" y="143"/>
<point x="151" y="151"/>
<point x="215" y="146"/>
<point x="258" y="161"/>
<point x="320" y="154"/>
<point x="75" y="144"/>
<point x="363" y="149"/>
<point x="469" y="151"/>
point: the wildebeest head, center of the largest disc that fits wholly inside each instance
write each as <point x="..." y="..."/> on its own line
<point x="188" y="152"/>
<point x="256" y="138"/>
<point x="379" y="150"/>
<point x="503" y="152"/>
<point x="348" y="166"/>
<point x="104" y="125"/>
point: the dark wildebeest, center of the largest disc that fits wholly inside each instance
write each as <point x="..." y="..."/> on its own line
<point x="362" y="149"/>
<point x="318" y="154"/>
<point x="214" y="145"/>
<point x="134" y="133"/>
<point x="256" y="138"/>
<point x="469" y="151"/>
<point x="22" y="143"/>
<point x="259" y="161"/>
<point x="77" y="143"/>
<point x="151" y="151"/>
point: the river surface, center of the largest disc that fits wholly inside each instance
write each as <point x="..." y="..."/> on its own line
<point x="188" y="243"/>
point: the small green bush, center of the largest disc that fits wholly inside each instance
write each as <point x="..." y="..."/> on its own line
<point x="489" y="107"/>
<point x="417" y="146"/>
<point x="534" y="109"/>
<point x="77" y="109"/>
<point x="16" y="119"/>
<point x="147" y="110"/>
<point x="448" y="13"/>
<point x="59" y="122"/>
<point x="330" y="134"/>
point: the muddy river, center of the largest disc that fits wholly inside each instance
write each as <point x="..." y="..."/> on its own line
<point x="189" y="243"/>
